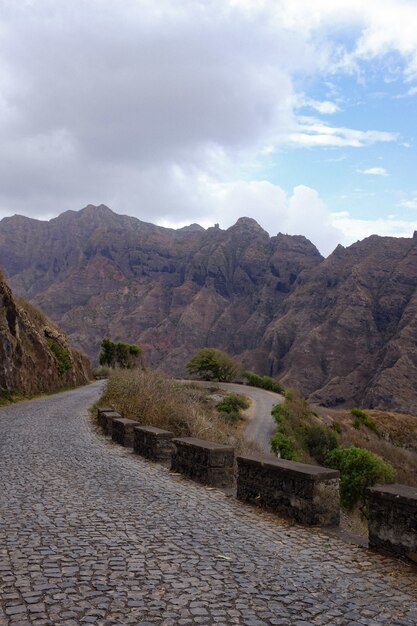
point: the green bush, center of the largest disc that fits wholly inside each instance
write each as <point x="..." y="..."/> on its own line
<point x="62" y="356"/>
<point x="359" y="469"/>
<point x="232" y="404"/>
<point x="283" y="446"/>
<point x="337" y="428"/>
<point x="264" y="382"/>
<point x="213" y="364"/>
<point x="360" y="417"/>
<point x="319" y="441"/>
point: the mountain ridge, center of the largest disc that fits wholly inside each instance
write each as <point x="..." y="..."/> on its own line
<point x="340" y="329"/>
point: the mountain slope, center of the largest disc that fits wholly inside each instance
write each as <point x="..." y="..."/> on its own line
<point x="348" y="334"/>
<point x="34" y="355"/>
<point x="341" y="329"/>
<point x="97" y="273"/>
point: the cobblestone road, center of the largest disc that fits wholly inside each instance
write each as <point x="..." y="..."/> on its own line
<point x="90" y="534"/>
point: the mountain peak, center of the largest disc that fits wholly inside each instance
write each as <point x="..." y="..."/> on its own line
<point x="249" y="224"/>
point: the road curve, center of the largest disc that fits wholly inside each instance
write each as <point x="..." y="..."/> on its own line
<point x="260" y="423"/>
<point x="92" y="534"/>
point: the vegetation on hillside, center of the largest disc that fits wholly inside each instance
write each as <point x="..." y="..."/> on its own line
<point x="264" y="382"/>
<point x="119" y="354"/>
<point x="301" y="435"/>
<point x="213" y="364"/>
<point x="187" y="410"/>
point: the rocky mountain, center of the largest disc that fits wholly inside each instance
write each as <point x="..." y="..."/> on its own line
<point x="349" y="331"/>
<point x="340" y="329"/>
<point x="34" y="355"/>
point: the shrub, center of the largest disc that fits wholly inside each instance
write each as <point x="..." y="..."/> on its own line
<point x="264" y="382"/>
<point x="283" y="446"/>
<point x="319" y="441"/>
<point x="359" y="469"/>
<point x="360" y="417"/>
<point x="232" y="404"/>
<point x="152" y="399"/>
<point x="119" y="354"/>
<point x="62" y="356"/>
<point x="337" y="428"/>
<point x="213" y="364"/>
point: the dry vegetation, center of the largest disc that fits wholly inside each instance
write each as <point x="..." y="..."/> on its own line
<point x="185" y="409"/>
<point x="395" y="439"/>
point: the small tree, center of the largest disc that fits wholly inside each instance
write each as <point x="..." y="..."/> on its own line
<point x="359" y="469"/>
<point x="283" y="447"/>
<point x="213" y="364"/>
<point x="120" y="354"/>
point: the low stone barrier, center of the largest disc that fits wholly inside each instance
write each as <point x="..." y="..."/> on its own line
<point x="306" y="493"/>
<point x="204" y="461"/>
<point x="101" y="415"/>
<point x="392" y="519"/>
<point x="107" y="421"/>
<point x="122" y="432"/>
<point x="153" y="443"/>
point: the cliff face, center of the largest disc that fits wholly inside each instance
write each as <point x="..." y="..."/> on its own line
<point x="348" y="333"/>
<point x="96" y="273"/>
<point x="34" y="356"/>
<point x="342" y="329"/>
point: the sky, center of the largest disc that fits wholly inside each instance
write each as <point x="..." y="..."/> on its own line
<point x="300" y="114"/>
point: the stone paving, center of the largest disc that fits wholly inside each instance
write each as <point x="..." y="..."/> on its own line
<point x="91" y="534"/>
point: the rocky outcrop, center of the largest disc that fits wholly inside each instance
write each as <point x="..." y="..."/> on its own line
<point x="340" y="329"/>
<point x="34" y="355"/>
<point x="96" y="273"/>
<point x="348" y="332"/>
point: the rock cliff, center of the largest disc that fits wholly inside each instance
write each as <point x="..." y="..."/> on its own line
<point x="34" y="355"/>
<point x="341" y="329"/>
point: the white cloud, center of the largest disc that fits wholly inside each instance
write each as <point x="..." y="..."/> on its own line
<point x="357" y="229"/>
<point x="312" y="132"/>
<point x="326" y="107"/>
<point x="161" y="108"/>
<point x="301" y="213"/>
<point x="411" y="203"/>
<point x="374" y="171"/>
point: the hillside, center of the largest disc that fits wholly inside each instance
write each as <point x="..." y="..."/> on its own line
<point x="34" y="355"/>
<point x="340" y="329"/>
<point x="96" y="273"/>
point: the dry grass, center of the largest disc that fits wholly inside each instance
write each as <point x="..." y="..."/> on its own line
<point x="395" y="440"/>
<point x="152" y="399"/>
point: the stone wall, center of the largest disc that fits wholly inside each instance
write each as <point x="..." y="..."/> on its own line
<point x="153" y="443"/>
<point x="123" y="431"/>
<point x="307" y="493"/>
<point x="106" y="420"/>
<point x="204" y="461"/>
<point x="392" y="519"/>
<point x="101" y="415"/>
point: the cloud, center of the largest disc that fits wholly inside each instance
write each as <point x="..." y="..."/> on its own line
<point x="410" y="203"/>
<point x="312" y="132"/>
<point x="374" y="171"/>
<point x="300" y="213"/>
<point x="166" y="110"/>
<point x="326" y="107"/>
<point x="357" y="229"/>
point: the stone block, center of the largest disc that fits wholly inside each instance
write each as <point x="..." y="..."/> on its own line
<point x="392" y="520"/>
<point x="107" y="421"/>
<point x="204" y="461"/>
<point x="101" y="415"/>
<point x="153" y="443"/>
<point x="306" y="493"/>
<point x="123" y="431"/>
